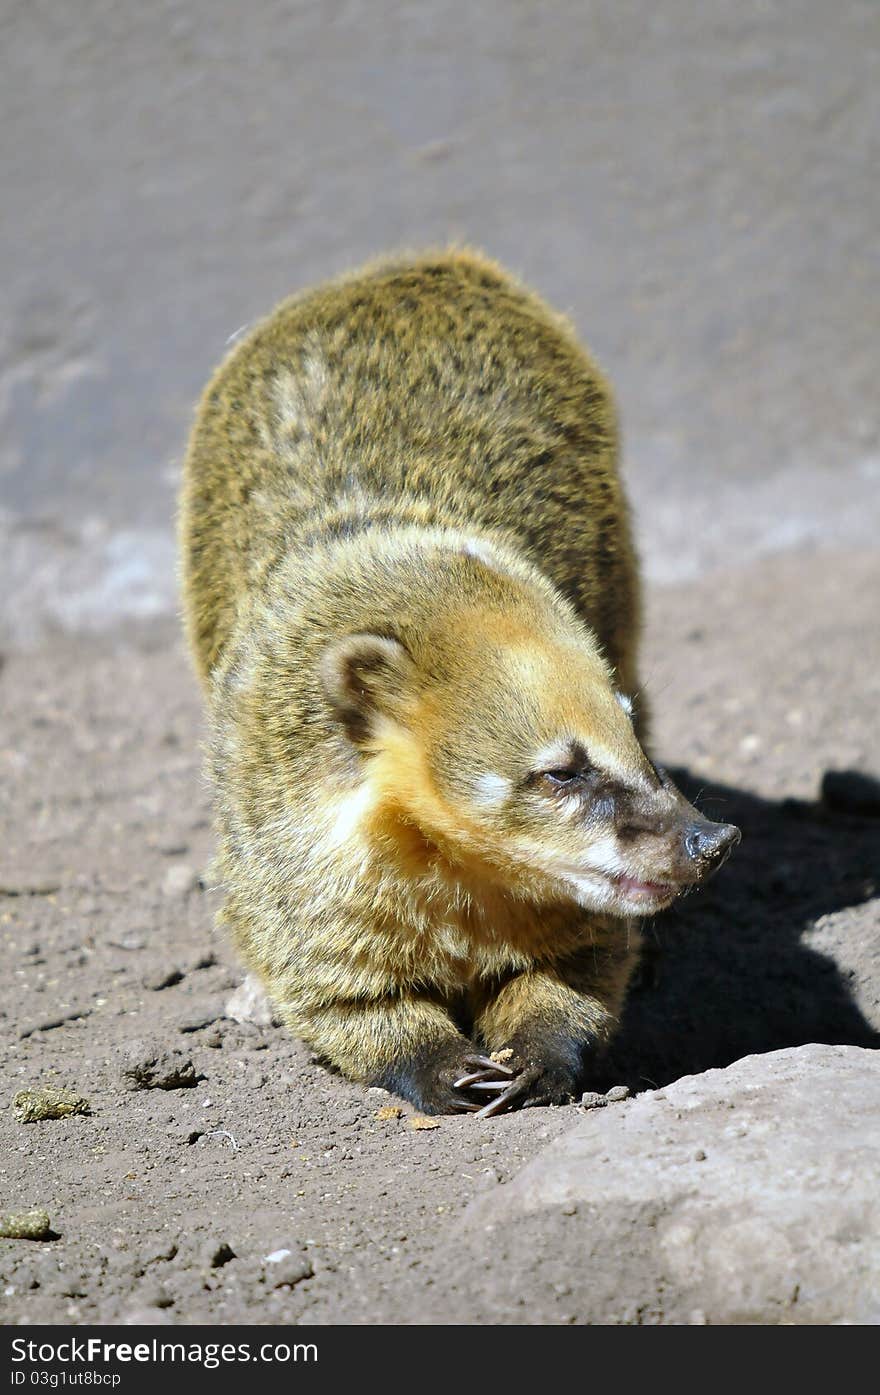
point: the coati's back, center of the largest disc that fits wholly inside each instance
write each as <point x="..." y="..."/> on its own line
<point x="434" y="391"/>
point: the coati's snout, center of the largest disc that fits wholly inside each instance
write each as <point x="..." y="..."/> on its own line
<point x="619" y="833"/>
<point x="665" y="831"/>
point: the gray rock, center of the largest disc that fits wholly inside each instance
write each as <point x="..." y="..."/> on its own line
<point x="200" y="1014"/>
<point x="617" y="1093"/>
<point x="152" y="1068"/>
<point x="754" y="1188"/>
<point x="591" y="1099"/>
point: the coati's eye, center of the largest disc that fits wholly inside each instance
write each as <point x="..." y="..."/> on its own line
<point x="570" y="775"/>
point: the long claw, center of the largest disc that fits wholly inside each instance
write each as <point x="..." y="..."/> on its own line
<point x="467" y="1080"/>
<point x="504" y="1100"/>
<point x="486" y="1063"/>
<point x="491" y="1085"/>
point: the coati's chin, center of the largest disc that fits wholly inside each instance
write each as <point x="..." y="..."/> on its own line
<point x="635" y="897"/>
<point x="620" y="894"/>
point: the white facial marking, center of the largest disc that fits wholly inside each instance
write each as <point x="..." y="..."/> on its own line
<point x="491" y="790"/>
<point x="595" y="894"/>
<point x="571" y="806"/>
<point x="555" y="757"/>
<point x="625" y="702"/>
<point x="604" y="856"/>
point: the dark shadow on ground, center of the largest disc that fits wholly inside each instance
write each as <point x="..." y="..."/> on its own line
<point x="726" y="973"/>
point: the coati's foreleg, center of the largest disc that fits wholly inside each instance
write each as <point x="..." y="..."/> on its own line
<point x="551" y="1018"/>
<point x="408" y="1045"/>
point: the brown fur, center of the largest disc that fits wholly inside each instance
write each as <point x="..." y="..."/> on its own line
<point x="408" y="579"/>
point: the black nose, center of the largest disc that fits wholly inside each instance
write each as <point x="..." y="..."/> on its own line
<point x="710" y="843"/>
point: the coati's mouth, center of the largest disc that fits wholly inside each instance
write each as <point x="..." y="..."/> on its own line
<point x="644" y="893"/>
<point x="622" y="894"/>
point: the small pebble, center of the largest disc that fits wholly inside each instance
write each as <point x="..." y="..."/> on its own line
<point x="195" y="1020"/>
<point x="617" y="1092"/>
<point x="207" y="959"/>
<point x="159" y="1252"/>
<point x="591" y="1099"/>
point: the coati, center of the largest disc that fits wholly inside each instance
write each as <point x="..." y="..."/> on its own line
<point x="412" y="597"/>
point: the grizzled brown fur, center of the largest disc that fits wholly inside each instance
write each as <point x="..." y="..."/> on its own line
<point x="412" y="598"/>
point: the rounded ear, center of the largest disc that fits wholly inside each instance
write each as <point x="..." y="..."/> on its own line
<point x="366" y="677"/>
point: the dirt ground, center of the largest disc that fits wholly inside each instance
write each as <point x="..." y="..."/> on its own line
<point x="172" y="1205"/>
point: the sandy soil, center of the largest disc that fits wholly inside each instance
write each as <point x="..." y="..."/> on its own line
<point x="167" y="1203"/>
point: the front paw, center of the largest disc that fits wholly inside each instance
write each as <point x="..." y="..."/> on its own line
<point x="452" y="1078"/>
<point x="542" y="1076"/>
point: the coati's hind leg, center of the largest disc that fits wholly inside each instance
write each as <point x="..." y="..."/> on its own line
<point x="408" y="1045"/>
<point x="551" y="1019"/>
